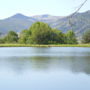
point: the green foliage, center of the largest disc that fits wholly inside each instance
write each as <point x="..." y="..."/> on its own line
<point x="11" y="37"/>
<point x="40" y="33"/>
<point x="24" y="36"/>
<point x="1" y="40"/>
<point x="86" y="37"/>
<point x="57" y="37"/>
<point x="70" y="37"/>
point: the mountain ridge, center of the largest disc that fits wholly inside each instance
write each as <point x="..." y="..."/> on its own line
<point x="80" y="22"/>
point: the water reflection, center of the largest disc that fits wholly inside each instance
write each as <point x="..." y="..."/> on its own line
<point x="18" y="60"/>
<point x="45" y="68"/>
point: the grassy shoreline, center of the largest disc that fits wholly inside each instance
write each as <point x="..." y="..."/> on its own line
<point x="53" y="45"/>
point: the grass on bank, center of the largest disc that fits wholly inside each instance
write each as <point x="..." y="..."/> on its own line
<point x="53" y="45"/>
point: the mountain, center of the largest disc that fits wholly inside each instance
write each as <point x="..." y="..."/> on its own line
<point x="19" y="16"/>
<point x="79" y="22"/>
<point x="16" y="23"/>
<point x="47" y="18"/>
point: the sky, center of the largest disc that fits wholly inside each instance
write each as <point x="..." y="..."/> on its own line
<point x="39" y="7"/>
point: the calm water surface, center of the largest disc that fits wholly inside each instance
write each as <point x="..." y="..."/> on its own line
<point x="54" y="68"/>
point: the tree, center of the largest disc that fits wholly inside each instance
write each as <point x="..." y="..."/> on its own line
<point x="24" y="35"/>
<point x="70" y="37"/>
<point x="1" y="40"/>
<point x="11" y="37"/>
<point x="86" y="37"/>
<point x="57" y="37"/>
<point x="40" y="33"/>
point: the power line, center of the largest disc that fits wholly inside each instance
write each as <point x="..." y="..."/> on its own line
<point x="73" y="14"/>
<point x="79" y="7"/>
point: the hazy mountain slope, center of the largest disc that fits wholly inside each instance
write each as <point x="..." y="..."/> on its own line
<point x="47" y="18"/>
<point x="16" y="23"/>
<point x="79" y="23"/>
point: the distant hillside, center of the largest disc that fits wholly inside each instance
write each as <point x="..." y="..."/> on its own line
<point x="79" y="23"/>
<point x="16" y="23"/>
<point x="47" y="18"/>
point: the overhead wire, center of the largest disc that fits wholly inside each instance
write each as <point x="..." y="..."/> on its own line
<point x="73" y="14"/>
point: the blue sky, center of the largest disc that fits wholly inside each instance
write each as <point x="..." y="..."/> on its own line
<point x="38" y="7"/>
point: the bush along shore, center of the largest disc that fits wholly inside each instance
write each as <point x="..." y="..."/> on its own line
<point x="42" y="35"/>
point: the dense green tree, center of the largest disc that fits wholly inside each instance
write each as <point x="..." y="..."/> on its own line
<point x="86" y="37"/>
<point x="70" y="37"/>
<point x="57" y="37"/>
<point x="1" y="40"/>
<point x="40" y="33"/>
<point x="23" y="36"/>
<point x="11" y="37"/>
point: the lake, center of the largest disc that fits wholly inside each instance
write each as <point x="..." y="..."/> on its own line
<point x="52" y="68"/>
